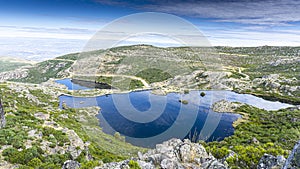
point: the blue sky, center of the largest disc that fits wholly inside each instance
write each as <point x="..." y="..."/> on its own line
<point x="225" y="23"/>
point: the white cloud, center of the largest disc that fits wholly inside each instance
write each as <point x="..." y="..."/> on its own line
<point x="40" y="32"/>
<point x="254" y="38"/>
<point x="38" y="49"/>
<point x="268" y="12"/>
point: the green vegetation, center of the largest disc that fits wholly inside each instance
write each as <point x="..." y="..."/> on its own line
<point x="15" y="133"/>
<point x="276" y="132"/>
<point x="135" y="84"/>
<point x="289" y="70"/>
<point x="237" y="75"/>
<point x="153" y="75"/>
<point x="104" y="79"/>
<point x="133" y="165"/>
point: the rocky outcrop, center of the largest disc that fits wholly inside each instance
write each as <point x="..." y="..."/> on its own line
<point x="279" y="162"/>
<point x="70" y="164"/>
<point x="16" y="74"/>
<point x="293" y="161"/>
<point x="173" y="154"/>
<point x="76" y="144"/>
<point x="2" y="116"/>
<point x="271" y="162"/>
<point x="225" y="106"/>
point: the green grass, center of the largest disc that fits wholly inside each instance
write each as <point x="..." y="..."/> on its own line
<point x="153" y="75"/>
<point x="104" y="79"/>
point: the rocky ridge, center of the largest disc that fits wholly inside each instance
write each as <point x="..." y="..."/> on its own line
<point x="175" y="154"/>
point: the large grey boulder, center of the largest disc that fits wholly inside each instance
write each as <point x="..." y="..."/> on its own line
<point x="225" y="106"/>
<point x="293" y="161"/>
<point x="271" y="162"/>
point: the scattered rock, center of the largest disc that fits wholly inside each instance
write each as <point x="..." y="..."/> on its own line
<point x="33" y="133"/>
<point x="42" y="116"/>
<point x="254" y="140"/>
<point x="70" y="164"/>
<point x="2" y="116"/>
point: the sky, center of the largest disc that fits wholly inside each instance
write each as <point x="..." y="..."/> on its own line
<point x="41" y="29"/>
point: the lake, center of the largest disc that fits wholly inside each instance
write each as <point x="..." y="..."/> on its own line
<point x="76" y="84"/>
<point x="146" y="119"/>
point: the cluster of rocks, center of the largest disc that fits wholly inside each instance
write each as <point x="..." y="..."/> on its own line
<point x="276" y="83"/>
<point x="220" y="81"/>
<point x="15" y="74"/>
<point x="173" y="154"/>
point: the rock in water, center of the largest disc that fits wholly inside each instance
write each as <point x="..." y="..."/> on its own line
<point x="2" y="116"/>
<point x="225" y="106"/>
<point x="293" y="161"/>
<point x="70" y="164"/>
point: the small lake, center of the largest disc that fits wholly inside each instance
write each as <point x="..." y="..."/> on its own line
<point x="76" y="84"/>
<point x="70" y="85"/>
<point x="146" y="119"/>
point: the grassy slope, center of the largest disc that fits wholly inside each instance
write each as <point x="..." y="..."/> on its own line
<point x="43" y="71"/>
<point x="21" y="119"/>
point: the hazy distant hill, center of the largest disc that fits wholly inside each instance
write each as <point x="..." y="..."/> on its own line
<point x="8" y="63"/>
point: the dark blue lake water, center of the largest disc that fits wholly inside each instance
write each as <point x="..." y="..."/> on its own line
<point x="70" y="85"/>
<point x="146" y="119"/>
